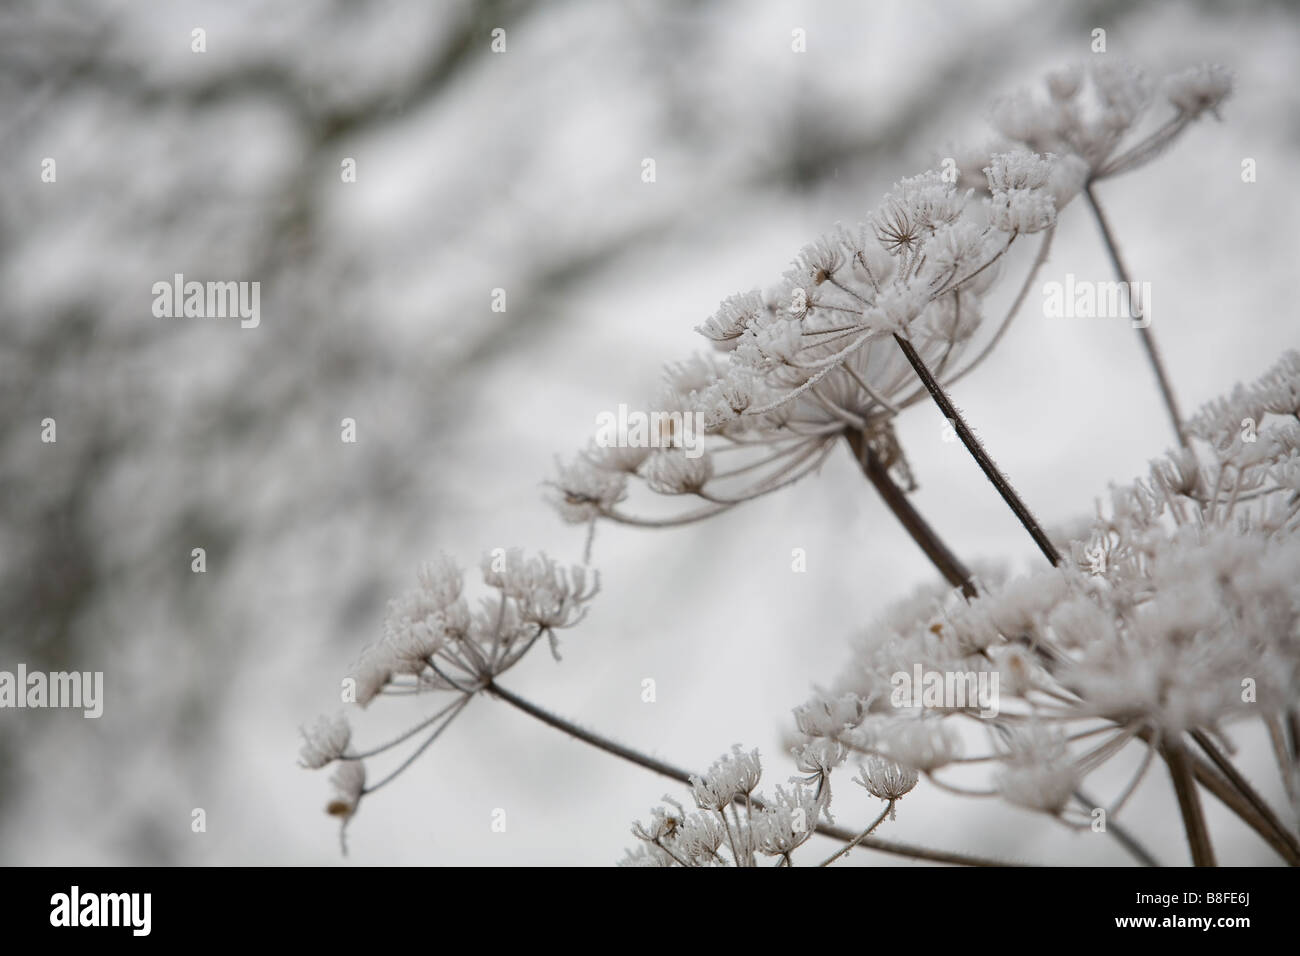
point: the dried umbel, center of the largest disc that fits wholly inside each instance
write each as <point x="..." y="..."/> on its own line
<point x="1178" y="614"/>
<point x="817" y="355"/>
<point x="326" y="742"/>
<point x="1095" y="113"/>
<point x="434" y="643"/>
<point x="434" y="640"/>
<point x="734" y="825"/>
<point x="887" y="780"/>
<point x="731" y="778"/>
<point x="1173" y="616"/>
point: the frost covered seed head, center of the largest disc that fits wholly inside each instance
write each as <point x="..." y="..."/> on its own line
<point x="1199" y="89"/>
<point x="325" y="742"/>
<point x="730" y="777"/>
<point x="349" y="782"/>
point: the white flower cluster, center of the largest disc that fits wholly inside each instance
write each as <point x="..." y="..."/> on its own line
<point x="734" y="825"/>
<point x="433" y="636"/>
<point x="434" y="641"/>
<point x="887" y="780"/>
<point x="730" y="778"/>
<point x="325" y="742"/>
<point x="815" y="356"/>
<point x="1092" y="112"/>
<point x="1178" y="612"/>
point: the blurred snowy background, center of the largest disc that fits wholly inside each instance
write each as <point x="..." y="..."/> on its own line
<point x="521" y="170"/>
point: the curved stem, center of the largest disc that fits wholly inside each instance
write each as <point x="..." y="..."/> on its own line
<point x="456" y="709"/>
<point x="1120" y="833"/>
<point x="373" y="751"/>
<point x="889" y="806"/>
<point x="586" y="736"/>
<point x="1144" y="332"/>
<point x="948" y="564"/>
<point x="683" y="777"/>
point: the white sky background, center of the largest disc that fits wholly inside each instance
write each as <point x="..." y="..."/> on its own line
<point x="523" y="172"/>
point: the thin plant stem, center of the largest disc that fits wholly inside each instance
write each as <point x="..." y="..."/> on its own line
<point x="371" y="752"/>
<point x="977" y="451"/>
<point x="940" y="555"/>
<point x="1120" y="833"/>
<point x="1217" y="785"/>
<point x="456" y="709"/>
<point x="1224" y="765"/>
<point x="1144" y="332"/>
<point x="684" y="777"/>
<point x="1277" y="736"/>
<point x="1189" y="803"/>
<point x="586" y="736"/>
<point x="889" y="806"/>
